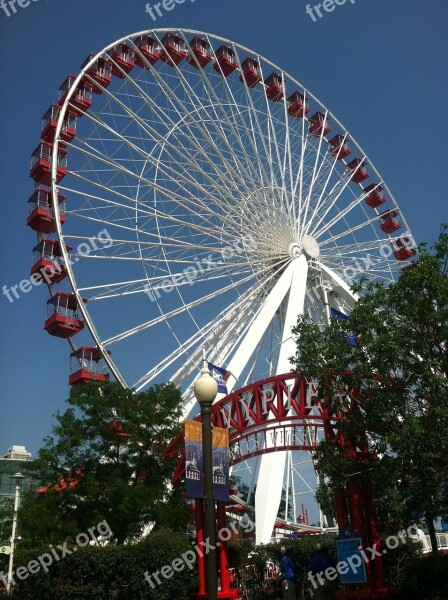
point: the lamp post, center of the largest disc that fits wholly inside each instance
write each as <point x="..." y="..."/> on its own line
<point x="205" y="391"/>
<point x="18" y="477"/>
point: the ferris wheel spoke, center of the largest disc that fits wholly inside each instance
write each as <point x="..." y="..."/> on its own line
<point x="186" y="114"/>
<point x="182" y="200"/>
<point x="184" y="174"/>
<point x="240" y="168"/>
<point x="322" y="198"/>
<point x="210" y="335"/>
<point x="175" y="312"/>
<point x="316" y="170"/>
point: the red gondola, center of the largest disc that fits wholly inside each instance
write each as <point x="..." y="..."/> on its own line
<point x="175" y="49"/>
<point x="250" y="72"/>
<point x="40" y="216"/>
<point x="374" y="198"/>
<point x="100" y="72"/>
<point x="389" y="224"/>
<point x="41" y="163"/>
<point x="296" y="105"/>
<point x="402" y="248"/>
<point x="319" y="125"/>
<point x="50" y="120"/>
<point x="149" y="48"/>
<point x="63" y="319"/>
<point x="86" y="365"/>
<point x="47" y="261"/>
<point x="225" y="61"/>
<point x="357" y="169"/>
<point x="339" y="147"/>
<point x="80" y="100"/>
<point x="121" y="60"/>
<point x="199" y="50"/>
<point x="274" y="87"/>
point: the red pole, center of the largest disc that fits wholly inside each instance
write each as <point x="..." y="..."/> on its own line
<point x="223" y="548"/>
<point x="199" y="519"/>
<point x="341" y="508"/>
<point x="374" y="537"/>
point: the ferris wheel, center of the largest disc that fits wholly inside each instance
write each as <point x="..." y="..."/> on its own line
<point x="191" y="194"/>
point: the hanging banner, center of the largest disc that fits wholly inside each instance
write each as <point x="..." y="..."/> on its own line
<point x="193" y="459"/>
<point x="221" y="458"/>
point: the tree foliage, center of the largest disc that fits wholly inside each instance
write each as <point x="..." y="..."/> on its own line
<point x="104" y="461"/>
<point x="391" y="388"/>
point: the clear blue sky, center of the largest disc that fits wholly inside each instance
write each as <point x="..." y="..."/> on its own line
<point x="379" y="65"/>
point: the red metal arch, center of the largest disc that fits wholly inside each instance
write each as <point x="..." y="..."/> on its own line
<point x="283" y="409"/>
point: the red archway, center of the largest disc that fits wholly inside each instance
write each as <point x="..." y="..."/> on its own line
<point x="284" y="413"/>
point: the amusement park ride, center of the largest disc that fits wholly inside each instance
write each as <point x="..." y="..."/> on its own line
<point x="235" y="202"/>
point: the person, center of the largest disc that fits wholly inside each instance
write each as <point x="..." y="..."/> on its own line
<point x="321" y="588"/>
<point x="288" y="573"/>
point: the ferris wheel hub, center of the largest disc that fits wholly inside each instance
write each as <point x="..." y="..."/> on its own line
<point x="310" y="246"/>
<point x="295" y="249"/>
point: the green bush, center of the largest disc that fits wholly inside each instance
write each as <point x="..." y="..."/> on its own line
<point x="426" y="579"/>
<point x="109" y="572"/>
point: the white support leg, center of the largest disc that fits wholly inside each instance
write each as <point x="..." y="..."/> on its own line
<point x="272" y="467"/>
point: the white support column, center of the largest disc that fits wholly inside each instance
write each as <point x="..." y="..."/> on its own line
<point x="272" y="467"/>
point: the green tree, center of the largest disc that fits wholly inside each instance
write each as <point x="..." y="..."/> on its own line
<point x="105" y="461"/>
<point x="391" y="389"/>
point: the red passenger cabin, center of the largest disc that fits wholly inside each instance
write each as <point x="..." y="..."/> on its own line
<point x="296" y="105"/>
<point x="225" y="61"/>
<point x="40" y="216"/>
<point x="403" y="248"/>
<point x="63" y="319"/>
<point x="250" y="72"/>
<point x="319" y="125"/>
<point x="374" y="196"/>
<point x="175" y="49"/>
<point x="339" y="147"/>
<point x="41" y="163"/>
<point x="48" y="261"/>
<point x="81" y="100"/>
<point x="389" y="224"/>
<point x="274" y="87"/>
<point x="50" y="121"/>
<point x="100" y="72"/>
<point x="121" y="60"/>
<point x="357" y="169"/>
<point x="86" y="365"/>
<point x="149" y="48"/>
<point x="199" y="50"/>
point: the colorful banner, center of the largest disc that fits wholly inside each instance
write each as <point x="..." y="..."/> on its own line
<point x="221" y="458"/>
<point x="193" y="459"/>
<point x="194" y="470"/>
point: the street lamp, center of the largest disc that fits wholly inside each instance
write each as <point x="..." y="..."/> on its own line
<point x="205" y="391"/>
<point x="18" y="477"/>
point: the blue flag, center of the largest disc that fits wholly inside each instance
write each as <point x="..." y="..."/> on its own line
<point x="352" y="337"/>
<point x="221" y="376"/>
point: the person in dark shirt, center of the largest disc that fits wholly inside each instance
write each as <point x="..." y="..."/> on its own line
<point x="289" y="577"/>
<point x="321" y="587"/>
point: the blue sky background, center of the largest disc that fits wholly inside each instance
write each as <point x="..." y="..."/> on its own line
<point x="379" y="65"/>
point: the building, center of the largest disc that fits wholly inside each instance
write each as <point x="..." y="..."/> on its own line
<point x="16" y="460"/>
